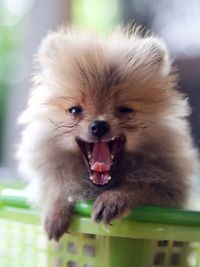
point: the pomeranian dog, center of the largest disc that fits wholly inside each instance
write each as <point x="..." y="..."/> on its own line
<point x="105" y="122"/>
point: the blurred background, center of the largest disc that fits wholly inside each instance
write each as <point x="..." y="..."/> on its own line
<point x="23" y="23"/>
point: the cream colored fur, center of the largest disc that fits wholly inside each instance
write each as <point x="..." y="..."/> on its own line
<point x="75" y="67"/>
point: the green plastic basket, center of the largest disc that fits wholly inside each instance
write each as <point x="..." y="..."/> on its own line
<point x="149" y="237"/>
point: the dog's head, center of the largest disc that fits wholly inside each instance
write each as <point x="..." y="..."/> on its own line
<point x="100" y="98"/>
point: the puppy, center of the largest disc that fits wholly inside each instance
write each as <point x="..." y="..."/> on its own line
<point x="105" y="122"/>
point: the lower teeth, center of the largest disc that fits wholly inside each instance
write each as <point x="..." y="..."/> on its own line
<point x="107" y="180"/>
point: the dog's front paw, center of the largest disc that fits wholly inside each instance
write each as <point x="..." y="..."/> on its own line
<point x="56" y="223"/>
<point x="109" y="206"/>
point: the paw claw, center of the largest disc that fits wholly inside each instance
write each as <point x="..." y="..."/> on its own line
<point x="98" y="212"/>
<point x="108" y="208"/>
<point x="56" y="224"/>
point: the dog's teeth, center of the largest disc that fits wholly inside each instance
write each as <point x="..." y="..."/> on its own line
<point x="113" y="138"/>
<point x="91" y="178"/>
<point x="109" y="178"/>
<point x="112" y="156"/>
<point x="89" y="155"/>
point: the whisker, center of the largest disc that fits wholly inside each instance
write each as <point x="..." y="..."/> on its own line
<point x="62" y="124"/>
<point x="60" y="127"/>
<point x="136" y="126"/>
<point x="55" y="122"/>
<point x="62" y="133"/>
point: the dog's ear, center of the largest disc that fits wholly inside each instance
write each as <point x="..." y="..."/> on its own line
<point x="51" y="47"/>
<point x="54" y="54"/>
<point x="151" y="55"/>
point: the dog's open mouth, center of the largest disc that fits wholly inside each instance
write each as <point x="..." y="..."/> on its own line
<point x="101" y="157"/>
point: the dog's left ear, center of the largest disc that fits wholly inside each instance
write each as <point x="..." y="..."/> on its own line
<point x="154" y="54"/>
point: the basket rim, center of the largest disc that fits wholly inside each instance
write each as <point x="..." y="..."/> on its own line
<point x="17" y="198"/>
<point x="145" y="222"/>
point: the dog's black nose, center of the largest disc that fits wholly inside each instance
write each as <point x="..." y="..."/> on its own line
<point x="99" y="128"/>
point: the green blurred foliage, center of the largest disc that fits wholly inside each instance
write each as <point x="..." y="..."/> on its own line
<point x="9" y="24"/>
<point x="100" y="16"/>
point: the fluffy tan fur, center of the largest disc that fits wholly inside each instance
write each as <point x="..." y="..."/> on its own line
<point x="125" y="69"/>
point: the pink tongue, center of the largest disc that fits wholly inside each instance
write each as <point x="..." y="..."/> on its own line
<point x="100" y="158"/>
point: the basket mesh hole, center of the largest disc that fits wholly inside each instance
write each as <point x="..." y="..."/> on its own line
<point x="89" y="250"/>
<point x="159" y="258"/>
<point x="175" y="259"/>
<point x="57" y="262"/>
<point x="72" y="248"/>
<point x="57" y="246"/>
<point x="163" y="243"/>
<point x="177" y="244"/>
<point x="90" y="236"/>
<point x="72" y="264"/>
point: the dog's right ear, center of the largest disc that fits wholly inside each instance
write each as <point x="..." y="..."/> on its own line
<point x="156" y="55"/>
<point x="150" y="54"/>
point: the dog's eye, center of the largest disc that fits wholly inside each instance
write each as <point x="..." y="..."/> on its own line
<point x="125" y="110"/>
<point x="76" y="111"/>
